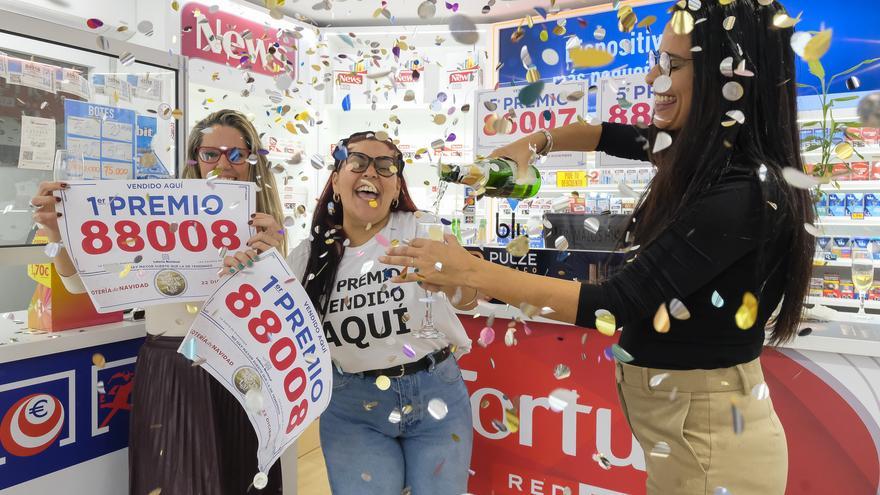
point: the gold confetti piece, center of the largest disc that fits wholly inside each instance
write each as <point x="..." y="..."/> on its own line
<point x="511" y="420"/>
<point x="729" y="22"/>
<point x="192" y="309"/>
<point x="589" y="57"/>
<point x="682" y="22"/>
<point x="369" y="406"/>
<point x="647" y="22"/>
<point x="125" y="270"/>
<point x="383" y="382"/>
<point x="747" y="312"/>
<point x="373" y="203"/>
<point x="174" y="6"/>
<point x="456" y="438"/>
<point x="782" y="20"/>
<point x="157" y="491"/>
<point x="661" y="319"/>
<point x="844" y="151"/>
<point x="99" y="360"/>
<point x="407" y="409"/>
<point x="177" y="114"/>
<point x="518" y="247"/>
<point x="606" y="324"/>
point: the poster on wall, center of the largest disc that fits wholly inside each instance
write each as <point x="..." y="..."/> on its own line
<point x="101" y="138"/>
<point x="554" y="108"/>
<point x="146" y="242"/>
<point x="624" y="100"/>
<point x="631" y="50"/>
<point x="259" y="336"/>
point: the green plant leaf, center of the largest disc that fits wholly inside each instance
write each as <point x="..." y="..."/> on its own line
<point x="810" y="124"/>
<point x="811" y="147"/>
<point x="854" y="68"/>
<point x="846" y="98"/>
<point x="817" y="69"/>
<point x="853" y="124"/>
<point x="810" y="138"/>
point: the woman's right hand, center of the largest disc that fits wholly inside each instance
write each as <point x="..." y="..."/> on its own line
<point x="521" y="152"/>
<point x="44" y="203"/>
<point x="238" y="261"/>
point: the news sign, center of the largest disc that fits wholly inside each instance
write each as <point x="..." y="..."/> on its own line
<point x="260" y="337"/>
<point x="146" y="242"/>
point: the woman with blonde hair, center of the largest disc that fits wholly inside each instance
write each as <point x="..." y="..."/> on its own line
<point x="188" y="435"/>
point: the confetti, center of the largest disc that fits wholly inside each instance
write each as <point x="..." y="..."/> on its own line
<point x="126" y="59"/>
<point x="437" y="409"/>
<point x="812" y="229"/>
<point x="599" y="33"/>
<point x="717" y="300"/>
<point x="463" y="29"/>
<point x="394" y="416"/>
<point x="732" y="91"/>
<point x="678" y="310"/>
<point x="602" y="461"/>
<point x="383" y="382"/>
<point x="408" y="351"/>
<point x="561" y="398"/>
<point x="550" y="56"/>
<point x="369" y="406"/>
<point x="747" y="312"/>
<point x="52" y="249"/>
<point x="620" y="354"/>
<point x="761" y="391"/>
<point x="662" y="141"/>
<point x="261" y="480"/>
<point x="817" y="46"/>
<point x="125" y="270"/>
<point x="605" y="322"/>
<point x="530" y="93"/>
<point x="561" y="372"/>
<point x="661" y="319"/>
<point x="853" y="83"/>
<point x="720" y="490"/>
<point x="99" y="360"/>
<point x="662" y="84"/>
<point x="253" y="400"/>
<point x="366" y="476"/>
<point x="805" y="331"/>
<point x="94" y="23"/>
<point x="192" y="309"/>
<point x="510" y="337"/>
<point x="561" y="243"/>
<point x="682" y="22"/>
<point x="487" y="336"/>
<point x="656" y="380"/>
<point x="738" y="420"/>
<point x="346" y="103"/>
<point x="427" y="9"/>
<point x="582" y="57"/>
<point x="661" y="450"/>
<point x="511" y="420"/>
<point x="592" y="225"/>
<point x="518" y="247"/>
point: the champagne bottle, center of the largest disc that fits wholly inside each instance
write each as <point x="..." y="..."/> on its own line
<point x="494" y="177"/>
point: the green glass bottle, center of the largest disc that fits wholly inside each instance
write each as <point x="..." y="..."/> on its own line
<point x="494" y="177"/>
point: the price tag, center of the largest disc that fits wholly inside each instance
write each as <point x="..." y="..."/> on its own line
<point x="858" y="216"/>
<point x="146" y="242"/>
<point x="570" y="179"/>
<point x="260" y="336"/>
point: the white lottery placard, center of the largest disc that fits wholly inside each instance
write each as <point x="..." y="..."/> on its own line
<point x="145" y="242"/>
<point x="260" y="336"/>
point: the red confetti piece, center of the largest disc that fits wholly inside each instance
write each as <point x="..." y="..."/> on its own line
<point x="94" y="23"/>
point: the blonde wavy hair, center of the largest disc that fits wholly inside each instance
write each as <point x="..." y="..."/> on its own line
<point x="259" y="173"/>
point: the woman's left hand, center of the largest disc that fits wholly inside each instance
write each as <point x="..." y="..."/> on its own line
<point x="437" y="265"/>
<point x="269" y="233"/>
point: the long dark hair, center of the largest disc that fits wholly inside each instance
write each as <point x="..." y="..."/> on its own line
<point x="324" y="258"/>
<point x="704" y="149"/>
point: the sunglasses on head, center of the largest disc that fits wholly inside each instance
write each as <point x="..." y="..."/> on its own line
<point x="357" y="162"/>
<point x="210" y="154"/>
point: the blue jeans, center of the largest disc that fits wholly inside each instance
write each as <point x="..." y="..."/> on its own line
<point x="366" y="454"/>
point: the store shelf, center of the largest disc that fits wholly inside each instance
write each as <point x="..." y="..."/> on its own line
<point x="864" y="151"/>
<point x="848" y="222"/>
<point x="842" y="303"/>
<point x="853" y="185"/>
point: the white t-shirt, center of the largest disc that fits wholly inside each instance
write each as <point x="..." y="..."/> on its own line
<point x="370" y="319"/>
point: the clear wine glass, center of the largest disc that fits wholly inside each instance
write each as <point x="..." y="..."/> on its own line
<point x="862" y="276"/>
<point x="434" y="232"/>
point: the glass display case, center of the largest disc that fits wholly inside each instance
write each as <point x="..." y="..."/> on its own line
<point x="76" y="105"/>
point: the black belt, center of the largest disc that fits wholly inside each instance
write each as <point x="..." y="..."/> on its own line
<point x="413" y="367"/>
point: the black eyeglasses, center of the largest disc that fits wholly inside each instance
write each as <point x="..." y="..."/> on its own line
<point x="357" y="162"/>
<point x="209" y="154"/>
<point x="668" y="63"/>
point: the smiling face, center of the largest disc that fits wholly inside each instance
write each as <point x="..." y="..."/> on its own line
<point x="672" y="106"/>
<point x="225" y="138"/>
<point x="365" y="196"/>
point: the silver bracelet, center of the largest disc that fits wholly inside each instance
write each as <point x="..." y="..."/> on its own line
<point x="548" y="146"/>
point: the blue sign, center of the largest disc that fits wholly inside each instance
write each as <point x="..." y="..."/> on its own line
<point x="60" y="410"/>
<point x="101" y="139"/>
<point x="149" y="165"/>
<point x="856" y="38"/>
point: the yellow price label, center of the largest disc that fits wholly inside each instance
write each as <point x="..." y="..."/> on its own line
<point x="858" y="216"/>
<point x="577" y="178"/>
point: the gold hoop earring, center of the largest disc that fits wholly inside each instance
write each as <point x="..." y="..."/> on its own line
<point x="336" y="197"/>
<point x="394" y="203"/>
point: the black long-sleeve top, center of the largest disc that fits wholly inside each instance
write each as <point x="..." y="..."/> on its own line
<point x="711" y="248"/>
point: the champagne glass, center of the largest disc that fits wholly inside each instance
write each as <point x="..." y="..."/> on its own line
<point x="434" y="232"/>
<point x="862" y="275"/>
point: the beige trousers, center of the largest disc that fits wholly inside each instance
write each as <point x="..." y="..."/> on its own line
<point x="719" y="438"/>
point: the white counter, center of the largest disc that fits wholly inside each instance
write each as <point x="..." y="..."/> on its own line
<point x="18" y="342"/>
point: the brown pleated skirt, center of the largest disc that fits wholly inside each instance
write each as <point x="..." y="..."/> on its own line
<point x="188" y="435"/>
